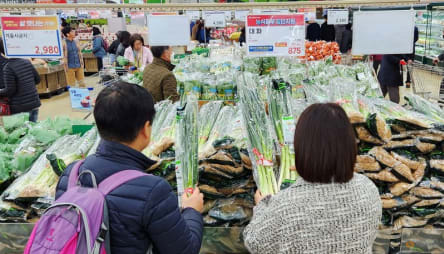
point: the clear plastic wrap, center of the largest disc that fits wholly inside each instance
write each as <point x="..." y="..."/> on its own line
<point x="426" y="107"/>
<point x="207" y="116"/>
<point x="219" y="129"/>
<point x="14" y="121"/>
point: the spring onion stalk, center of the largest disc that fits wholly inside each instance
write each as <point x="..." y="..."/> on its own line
<point x="187" y="143"/>
<point x="279" y="108"/>
<point x="257" y="126"/>
<point x="207" y="117"/>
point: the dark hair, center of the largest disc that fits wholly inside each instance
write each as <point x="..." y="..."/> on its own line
<point x="66" y="30"/>
<point x="134" y="38"/>
<point x="121" y="111"/>
<point x="124" y="38"/>
<point x="348" y="26"/>
<point x="158" y="50"/>
<point x="2" y="47"/>
<point x="325" y="144"/>
<point x="96" y="31"/>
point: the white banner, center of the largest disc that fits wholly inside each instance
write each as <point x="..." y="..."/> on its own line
<point x="178" y="27"/>
<point x="32" y="36"/>
<point x="276" y="35"/>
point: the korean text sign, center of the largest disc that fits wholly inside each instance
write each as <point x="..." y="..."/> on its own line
<point x="276" y="35"/>
<point x="80" y="99"/>
<point x="31" y="36"/>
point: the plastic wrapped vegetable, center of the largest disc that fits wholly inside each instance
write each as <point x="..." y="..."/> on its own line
<point x="187" y="145"/>
<point x="207" y="116"/>
<point x="14" y="121"/>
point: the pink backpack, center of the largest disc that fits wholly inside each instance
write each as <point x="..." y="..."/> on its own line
<point x="78" y="221"/>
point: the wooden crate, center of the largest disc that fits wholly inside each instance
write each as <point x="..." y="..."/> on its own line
<point x="52" y="81"/>
<point x="61" y="75"/>
<point x="42" y="86"/>
<point x="91" y="65"/>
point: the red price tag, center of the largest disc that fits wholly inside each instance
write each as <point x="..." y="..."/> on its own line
<point x="294" y="51"/>
<point x="189" y="191"/>
<point x="46" y="50"/>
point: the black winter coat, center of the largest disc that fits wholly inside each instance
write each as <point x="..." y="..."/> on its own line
<point x="144" y="211"/>
<point x="313" y="32"/>
<point x="20" y="79"/>
<point x="346" y="41"/>
<point x="113" y="47"/>
<point x="328" y="32"/>
<point x="390" y="71"/>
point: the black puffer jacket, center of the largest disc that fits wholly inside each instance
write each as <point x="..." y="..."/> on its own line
<point x="20" y="80"/>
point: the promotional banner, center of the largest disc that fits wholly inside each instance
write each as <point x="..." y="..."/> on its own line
<point x="275" y="35"/>
<point x="80" y="99"/>
<point x="31" y="36"/>
<point x="337" y="17"/>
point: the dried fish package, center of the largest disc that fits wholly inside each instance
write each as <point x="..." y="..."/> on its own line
<point x="378" y="127"/>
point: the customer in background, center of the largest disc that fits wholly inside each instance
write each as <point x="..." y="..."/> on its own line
<point x="98" y="47"/>
<point x="72" y="58"/>
<point x="124" y="39"/>
<point x="329" y="209"/>
<point x="20" y="79"/>
<point x="376" y="59"/>
<point x="390" y="76"/>
<point x="143" y="212"/>
<point x="313" y="31"/>
<point x="203" y="33"/>
<point x="158" y="78"/>
<point x="195" y="29"/>
<point x="137" y="54"/>
<point x="113" y="47"/>
<point x="346" y="40"/>
<point x="411" y="57"/>
<point x="242" y="39"/>
<point x="328" y="32"/>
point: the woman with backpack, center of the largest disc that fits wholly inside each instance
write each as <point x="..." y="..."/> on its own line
<point x="137" y="54"/>
<point x="99" y="47"/>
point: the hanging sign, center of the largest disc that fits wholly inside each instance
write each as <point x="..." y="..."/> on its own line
<point x="80" y="99"/>
<point x="178" y="27"/>
<point x="193" y="15"/>
<point x="241" y="15"/>
<point x="31" y="36"/>
<point x="276" y="35"/>
<point x="215" y="19"/>
<point x="337" y="17"/>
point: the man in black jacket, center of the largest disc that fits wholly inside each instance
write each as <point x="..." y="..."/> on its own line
<point x="313" y="31"/>
<point x="20" y="80"/>
<point x="328" y="32"/>
<point x="390" y="77"/>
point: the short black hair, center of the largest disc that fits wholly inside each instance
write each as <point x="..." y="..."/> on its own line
<point x="66" y="30"/>
<point x="96" y="31"/>
<point x="325" y="153"/>
<point x="121" y="111"/>
<point x="2" y="47"/>
<point x="134" y="38"/>
<point x="124" y="38"/>
<point x="158" y="50"/>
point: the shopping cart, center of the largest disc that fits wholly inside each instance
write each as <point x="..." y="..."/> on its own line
<point x="426" y="80"/>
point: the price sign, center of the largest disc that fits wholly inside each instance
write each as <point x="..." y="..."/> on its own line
<point x="215" y="19"/>
<point x="337" y="17"/>
<point x="80" y="99"/>
<point x="193" y="15"/>
<point x="275" y="35"/>
<point x="31" y="36"/>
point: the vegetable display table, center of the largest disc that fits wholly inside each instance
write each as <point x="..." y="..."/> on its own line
<point x="52" y="79"/>
<point x="90" y="62"/>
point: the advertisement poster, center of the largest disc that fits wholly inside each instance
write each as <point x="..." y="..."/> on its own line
<point x="275" y="35"/>
<point x="80" y="99"/>
<point x="31" y="36"/>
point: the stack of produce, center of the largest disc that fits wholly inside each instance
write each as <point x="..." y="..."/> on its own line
<point x="34" y="191"/>
<point x="319" y="50"/>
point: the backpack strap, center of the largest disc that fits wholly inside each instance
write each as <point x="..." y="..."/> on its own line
<point x="74" y="174"/>
<point x="117" y="179"/>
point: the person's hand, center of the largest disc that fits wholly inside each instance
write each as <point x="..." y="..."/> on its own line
<point x="258" y="196"/>
<point x="195" y="200"/>
<point x="435" y="61"/>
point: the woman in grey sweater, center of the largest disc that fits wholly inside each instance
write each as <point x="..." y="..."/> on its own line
<point x="329" y="209"/>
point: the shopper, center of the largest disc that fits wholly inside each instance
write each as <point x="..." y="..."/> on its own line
<point x="203" y="33"/>
<point x="390" y="77"/>
<point x="346" y="39"/>
<point x="124" y="39"/>
<point x="98" y="47"/>
<point x="313" y="31"/>
<point x="329" y="209"/>
<point x="195" y="29"/>
<point x="113" y="47"/>
<point x="411" y="57"/>
<point x="328" y="32"/>
<point x="137" y="54"/>
<point x="158" y="78"/>
<point x="72" y="58"/>
<point x="376" y="59"/>
<point x="242" y="38"/>
<point x="143" y="212"/>
<point x="20" y="79"/>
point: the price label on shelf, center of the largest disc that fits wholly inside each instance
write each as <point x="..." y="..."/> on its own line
<point x="288" y="128"/>
<point x="215" y="19"/>
<point x="31" y="36"/>
<point x="337" y="17"/>
<point x="275" y="35"/>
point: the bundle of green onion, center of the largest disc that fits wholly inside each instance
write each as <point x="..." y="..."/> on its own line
<point x="187" y="145"/>
<point x="257" y="125"/>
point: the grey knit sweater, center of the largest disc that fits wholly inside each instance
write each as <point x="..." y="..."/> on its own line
<point x="317" y="218"/>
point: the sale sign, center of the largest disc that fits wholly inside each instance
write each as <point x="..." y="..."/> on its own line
<point x="31" y="36"/>
<point x="275" y="35"/>
<point x="337" y="17"/>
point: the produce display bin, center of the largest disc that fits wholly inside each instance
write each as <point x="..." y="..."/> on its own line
<point x="52" y="78"/>
<point x="90" y="62"/>
<point x="230" y="240"/>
